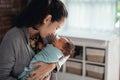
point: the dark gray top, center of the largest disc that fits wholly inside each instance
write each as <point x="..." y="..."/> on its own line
<point x="15" y="53"/>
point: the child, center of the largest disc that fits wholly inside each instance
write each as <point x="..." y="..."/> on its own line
<point x="52" y="53"/>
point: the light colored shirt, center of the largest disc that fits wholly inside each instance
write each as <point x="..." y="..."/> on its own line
<point x="49" y="54"/>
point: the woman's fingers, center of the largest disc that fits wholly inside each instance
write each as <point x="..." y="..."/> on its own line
<point x="37" y="64"/>
<point x="42" y="70"/>
<point x="47" y="77"/>
<point x="37" y="76"/>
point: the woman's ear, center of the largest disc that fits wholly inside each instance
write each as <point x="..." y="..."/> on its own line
<point x="47" y="19"/>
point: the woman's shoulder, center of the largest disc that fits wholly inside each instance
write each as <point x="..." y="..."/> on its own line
<point x="12" y="34"/>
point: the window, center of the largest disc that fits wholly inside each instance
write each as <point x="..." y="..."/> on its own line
<point x="94" y="15"/>
<point x="118" y="15"/>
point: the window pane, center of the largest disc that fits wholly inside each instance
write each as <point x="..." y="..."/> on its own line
<point x="91" y="14"/>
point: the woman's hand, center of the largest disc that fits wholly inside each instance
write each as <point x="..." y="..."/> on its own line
<point x="48" y="77"/>
<point x="42" y="70"/>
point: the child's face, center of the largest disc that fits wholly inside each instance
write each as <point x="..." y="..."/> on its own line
<point x="59" y="43"/>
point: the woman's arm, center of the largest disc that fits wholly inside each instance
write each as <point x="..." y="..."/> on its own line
<point x="45" y="68"/>
<point x="42" y="70"/>
<point x="6" y="60"/>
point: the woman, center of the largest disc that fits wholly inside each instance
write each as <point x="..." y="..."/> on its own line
<point x="40" y="19"/>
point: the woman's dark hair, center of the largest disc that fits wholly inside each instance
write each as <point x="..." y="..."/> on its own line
<point x="37" y="10"/>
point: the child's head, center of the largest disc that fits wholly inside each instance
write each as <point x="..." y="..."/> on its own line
<point x="65" y="45"/>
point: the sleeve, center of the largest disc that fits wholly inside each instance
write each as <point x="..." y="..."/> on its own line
<point x="61" y="62"/>
<point x="7" y="60"/>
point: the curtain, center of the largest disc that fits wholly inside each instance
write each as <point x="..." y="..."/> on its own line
<point x="94" y="15"/>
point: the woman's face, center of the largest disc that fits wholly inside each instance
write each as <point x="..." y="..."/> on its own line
<point x="50" y="27"/>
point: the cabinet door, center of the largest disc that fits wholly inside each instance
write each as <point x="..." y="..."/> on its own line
<point x="95" y="71"/>
<point x="95" y="55"/>
<point x="74" y="67"/>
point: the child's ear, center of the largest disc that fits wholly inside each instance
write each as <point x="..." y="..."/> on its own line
<point x="47" y="19"/>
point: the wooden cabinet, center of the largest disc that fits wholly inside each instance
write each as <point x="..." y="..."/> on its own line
<point x="94" y="59"/>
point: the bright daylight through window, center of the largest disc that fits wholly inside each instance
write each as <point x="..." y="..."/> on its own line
<point x="93" y="15"/>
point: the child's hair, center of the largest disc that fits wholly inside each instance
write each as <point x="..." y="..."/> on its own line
<point x="69" y="48"/>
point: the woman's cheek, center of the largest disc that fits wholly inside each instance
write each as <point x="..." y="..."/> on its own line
<point x="52" y="31"/>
